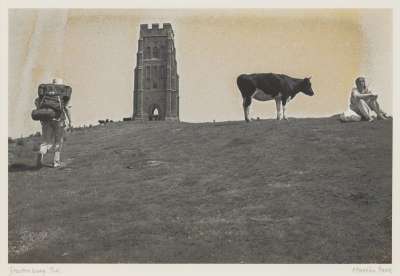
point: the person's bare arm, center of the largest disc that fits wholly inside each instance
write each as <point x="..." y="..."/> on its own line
<point x="68" y="115"/>
<point x="366" y="95"/>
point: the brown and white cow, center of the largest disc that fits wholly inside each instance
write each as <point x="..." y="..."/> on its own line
<point x="270" y="86"/>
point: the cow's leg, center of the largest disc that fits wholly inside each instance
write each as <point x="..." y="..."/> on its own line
<point x="246" y="107"/>
<point x="278" y="103"/>
<point x="284" y="103"/>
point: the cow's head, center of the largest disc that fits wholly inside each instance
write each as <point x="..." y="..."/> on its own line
<point x="306" y="87"/>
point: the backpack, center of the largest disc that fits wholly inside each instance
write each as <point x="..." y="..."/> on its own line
<point x="52" y="100"/>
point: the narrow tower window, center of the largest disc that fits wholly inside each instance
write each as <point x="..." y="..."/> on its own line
<point x="156" y="53"/>
<point x="147" y="52"/>
<point x="163" y="52"/>
<point x="147" y="72"/>
<point x="154" y="74"/>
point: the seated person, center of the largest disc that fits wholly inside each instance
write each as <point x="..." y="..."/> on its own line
<point x="363" y="101"/>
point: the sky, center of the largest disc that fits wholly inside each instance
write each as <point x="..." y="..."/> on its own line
<point x="94" y="51"/>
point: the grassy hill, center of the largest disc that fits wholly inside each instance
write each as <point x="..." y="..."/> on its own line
<point x="301" y="191"/>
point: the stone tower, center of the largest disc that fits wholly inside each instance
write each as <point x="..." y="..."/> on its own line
<point x="156" y="85"/>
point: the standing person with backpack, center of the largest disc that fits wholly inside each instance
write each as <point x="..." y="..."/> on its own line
<point x="52" y="111"/>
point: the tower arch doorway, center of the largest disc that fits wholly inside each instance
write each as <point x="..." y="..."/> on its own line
<point x="155" y="113"/>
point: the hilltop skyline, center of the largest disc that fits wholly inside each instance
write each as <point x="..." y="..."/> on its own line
<point x="94" y="52"/>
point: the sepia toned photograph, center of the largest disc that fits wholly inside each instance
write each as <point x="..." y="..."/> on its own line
<point x="200" y="136"/>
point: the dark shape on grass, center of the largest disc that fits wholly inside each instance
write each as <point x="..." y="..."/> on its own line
<point x="20" y="142"/>
<point x="19" y="167"/>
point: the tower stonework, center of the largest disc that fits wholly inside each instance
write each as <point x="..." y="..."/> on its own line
<point x="156" y="81"/>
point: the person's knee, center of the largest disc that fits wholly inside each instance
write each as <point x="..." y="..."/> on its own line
<point x="373" y="104"/>
<point x="362" y="102"/>
<point x="57" y="147"/>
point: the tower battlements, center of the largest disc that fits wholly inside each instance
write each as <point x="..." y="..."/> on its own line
<point x="156" y="29"/>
